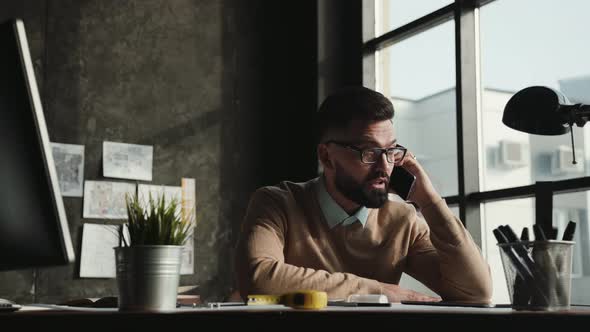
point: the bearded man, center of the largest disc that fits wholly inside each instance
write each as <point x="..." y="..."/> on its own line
<point x="340" y="233"/>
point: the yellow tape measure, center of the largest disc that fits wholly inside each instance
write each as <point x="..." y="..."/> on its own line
<point x="303" y="299"/>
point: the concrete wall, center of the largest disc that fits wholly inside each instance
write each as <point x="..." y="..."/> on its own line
<point x="224" y="90"/>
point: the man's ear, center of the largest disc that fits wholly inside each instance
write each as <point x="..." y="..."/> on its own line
<point x="324" y="156"/>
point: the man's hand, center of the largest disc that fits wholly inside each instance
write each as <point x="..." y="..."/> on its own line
<point x="397" y="294"/>
<point x="423" y="192"/>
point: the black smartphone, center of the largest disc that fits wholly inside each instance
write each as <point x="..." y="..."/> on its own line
<point x="401" y="182"/>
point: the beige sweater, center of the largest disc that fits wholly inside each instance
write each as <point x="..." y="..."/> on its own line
<point x="286" y="245"/>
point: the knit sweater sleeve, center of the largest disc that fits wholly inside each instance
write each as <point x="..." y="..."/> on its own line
<point x="260" y="261"/>
<point x="446" y="259"/>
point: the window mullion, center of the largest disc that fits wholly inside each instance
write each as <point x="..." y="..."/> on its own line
<point x="468" y="105"/>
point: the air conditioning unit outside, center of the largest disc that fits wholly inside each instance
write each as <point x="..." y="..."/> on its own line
<point x="561" y="161"/>
<point x="512" y="154"/>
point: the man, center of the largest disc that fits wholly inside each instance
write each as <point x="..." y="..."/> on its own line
<point x="340" y="234"/>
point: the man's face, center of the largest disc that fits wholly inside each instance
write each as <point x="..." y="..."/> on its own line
<point x="364" y="184"/>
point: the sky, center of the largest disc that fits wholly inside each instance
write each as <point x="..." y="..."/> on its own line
<point x="522" y="43"/>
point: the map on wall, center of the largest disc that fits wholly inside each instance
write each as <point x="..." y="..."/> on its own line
<point x="127" y="161"/>
<point x="69" y="164"/>
<point x="106" y="200"/>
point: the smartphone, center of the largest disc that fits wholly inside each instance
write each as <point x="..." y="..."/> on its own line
<point x="401" y="182"/>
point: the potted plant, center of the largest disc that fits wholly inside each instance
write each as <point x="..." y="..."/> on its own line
<point x="148" y="261"/>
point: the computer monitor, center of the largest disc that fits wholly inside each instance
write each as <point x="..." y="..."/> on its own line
<point x="33" y="226"/>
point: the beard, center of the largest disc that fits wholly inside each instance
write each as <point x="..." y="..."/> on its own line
<point x="360" y="192"/>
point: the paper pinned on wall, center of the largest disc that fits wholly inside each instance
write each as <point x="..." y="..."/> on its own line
<point x="127" y="161"/>
<point x="189" y="199"/>
<point x="97" y="258"/>
<point x="189" y="210"/>
<point x="145" y="190"/>
<point x="106" y="200"/>
<point x="156" y="191"/>
<point x="69" y="163"/>
<point x="188" y="256"/>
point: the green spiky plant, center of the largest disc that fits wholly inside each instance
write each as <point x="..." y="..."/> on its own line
<point x="156" y="223"/>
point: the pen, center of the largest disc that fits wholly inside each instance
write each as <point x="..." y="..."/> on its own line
<point x="539" y="234"/>
<point x="521" y="269"/>
<point x="544" y="233"/>
<point x="524" y="235"/>
<point x="570" y="229"/>
<point x="521" y="250"/>
<point x="546" y="263"/>
<point x="521" y="295"/>
<point x="553" y="232"/>
<point x="541" y="277"/>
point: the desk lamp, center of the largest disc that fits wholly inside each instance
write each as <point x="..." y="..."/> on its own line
<point x="541" y="110"/>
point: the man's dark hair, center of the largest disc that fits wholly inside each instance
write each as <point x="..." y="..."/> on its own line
<point x="352" y="103"/>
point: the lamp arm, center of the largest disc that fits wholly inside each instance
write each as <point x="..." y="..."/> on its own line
<point x="580" y="114"/>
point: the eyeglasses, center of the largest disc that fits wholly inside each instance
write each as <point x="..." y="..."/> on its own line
<point x="372" y="155"/>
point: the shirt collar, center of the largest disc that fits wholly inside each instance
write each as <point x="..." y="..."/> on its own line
<point x="333" y="213"/>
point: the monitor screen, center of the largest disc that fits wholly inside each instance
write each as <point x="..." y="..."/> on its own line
<point x="33" y="226"/>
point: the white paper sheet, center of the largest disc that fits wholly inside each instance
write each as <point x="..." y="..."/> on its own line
<point x="189" y="210"/>
<point x="127" y="161"/>
<point x="97" y="259"/>
<point x="69" y="163"/>
<point x="106" y="200"/>
<point x="143" y="192"/>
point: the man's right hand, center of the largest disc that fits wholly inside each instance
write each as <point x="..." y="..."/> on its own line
<point x="397" y="294"/>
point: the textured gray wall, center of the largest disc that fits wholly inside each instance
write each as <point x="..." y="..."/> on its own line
<point x="220" y="88"/>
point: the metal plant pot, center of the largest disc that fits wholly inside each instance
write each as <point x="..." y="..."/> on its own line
<point x="147" y="277"/>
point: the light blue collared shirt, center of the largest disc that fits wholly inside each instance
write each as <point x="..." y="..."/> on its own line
<point x="333" y="213"/>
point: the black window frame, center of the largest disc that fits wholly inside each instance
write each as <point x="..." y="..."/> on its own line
<point x="465" y="13"/>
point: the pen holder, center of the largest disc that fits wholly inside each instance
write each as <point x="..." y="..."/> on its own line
<point x="538" y="274"/>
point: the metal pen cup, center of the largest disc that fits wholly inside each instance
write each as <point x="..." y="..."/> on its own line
<point x="538" y="274"/>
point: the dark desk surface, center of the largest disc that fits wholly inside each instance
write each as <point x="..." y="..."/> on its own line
<point x="362" y="318"/>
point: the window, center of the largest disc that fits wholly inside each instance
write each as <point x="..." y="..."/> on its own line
<point x="574" y="206"/>
<point x="517" y="51"/>
<point x="449" y="68"/>
<point x="418" y="75"/>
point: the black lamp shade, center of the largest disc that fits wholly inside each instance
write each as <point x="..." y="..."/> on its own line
<point x="537" y="110"/>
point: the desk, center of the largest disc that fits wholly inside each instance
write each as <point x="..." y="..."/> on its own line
<point x="278" y="317"/>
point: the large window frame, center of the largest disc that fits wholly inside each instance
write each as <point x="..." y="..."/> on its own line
<point x="465" y="13"/>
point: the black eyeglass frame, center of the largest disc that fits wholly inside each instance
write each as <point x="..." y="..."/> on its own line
<point x="363" y="151"/>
